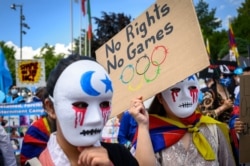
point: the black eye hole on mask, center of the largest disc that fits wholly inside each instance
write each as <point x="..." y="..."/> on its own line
<point x="80" y="104"/>
<point x="175" y="90"/>
<point x="105" y="104"/>
<point x="192" y="87"/>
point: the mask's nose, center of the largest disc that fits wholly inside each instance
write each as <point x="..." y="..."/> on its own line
<point x="93" y="115"/>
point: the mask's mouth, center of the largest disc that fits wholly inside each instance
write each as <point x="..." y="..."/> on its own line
<point x="186" y="105"/>
<point x="90" y="132"/>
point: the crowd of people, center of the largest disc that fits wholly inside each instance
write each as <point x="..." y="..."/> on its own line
<point x="184" y="125"/>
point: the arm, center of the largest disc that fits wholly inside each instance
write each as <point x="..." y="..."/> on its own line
<point x="228" y="103"/>
<point x="144" y="145"/>
<point x="238" y="126"/>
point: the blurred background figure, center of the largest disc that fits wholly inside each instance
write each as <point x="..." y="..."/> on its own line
<point x="3" y="121"/>
<point x="217" y="98"/>
<point x="13" y="96"/>
<point x="7" y="157"/>
<point x="36" y="137"/>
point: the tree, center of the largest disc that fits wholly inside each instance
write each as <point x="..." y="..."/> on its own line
<point x="208" y="22"/>
<point x="241" y="28"/>
<point x="241" y="23"/>
<point x="107" y="27"/>
<point x="50" y="57"/>
<point x="209" y="26"/>
<point x="218" y="40"/>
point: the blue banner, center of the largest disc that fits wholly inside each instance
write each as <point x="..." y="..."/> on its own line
<point x="16" y="119"/>
<point x="20" y="109"/>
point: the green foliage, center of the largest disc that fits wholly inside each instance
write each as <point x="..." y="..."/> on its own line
<point x="50" y="57"/>
<point x="109" y="25"/>
<point x="219" y="40"/>
<point x="241" y="23"/>
<point x="208" y="22"/>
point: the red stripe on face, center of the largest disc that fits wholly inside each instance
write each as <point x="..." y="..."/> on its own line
<point x="105" y="113"/>
<point x="174" y="95"/>
<point x="79" y="115"/>
<point x="194" y="94"/>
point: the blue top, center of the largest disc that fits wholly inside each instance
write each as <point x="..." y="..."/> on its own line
<point x="18" y="99"/>
<point x="237" y="100"/>
<point x="127" y="129"/>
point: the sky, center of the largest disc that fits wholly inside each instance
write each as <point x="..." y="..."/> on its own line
<point x="50" y="20"/>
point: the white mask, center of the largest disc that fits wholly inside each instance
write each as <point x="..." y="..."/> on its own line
<point x="84" y="83"/>
<point x="182" y="98"/>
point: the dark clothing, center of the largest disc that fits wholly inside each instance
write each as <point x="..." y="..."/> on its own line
<point x="1" y="158"/>
<point x="119" y="155"/>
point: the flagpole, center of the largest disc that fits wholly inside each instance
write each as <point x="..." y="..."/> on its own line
<point x="90" y="47"/>
<point x="80" y="39"/>
<point x="89" y="27"/>
<point x="71" y="23"/>
<point x="85" y="42"/>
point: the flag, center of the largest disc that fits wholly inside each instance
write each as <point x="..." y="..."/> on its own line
<point x="232" y="43"/>
<point x="208" y="47"/>
<point x="89" y="18"/>
<point x="5" y="76"/>
<point x="83" y="7"/>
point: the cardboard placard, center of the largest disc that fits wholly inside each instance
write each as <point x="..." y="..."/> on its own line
<point x="244" y="149"/>
<point x="163" y="46"/>
<point x="30" y="73"/>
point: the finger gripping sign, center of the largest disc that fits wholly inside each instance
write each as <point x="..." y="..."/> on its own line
<point x="161" y="47"/>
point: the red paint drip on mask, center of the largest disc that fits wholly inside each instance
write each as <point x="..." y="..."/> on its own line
<point x="174" y="95"/>
<point x="79" y="115"/>
<point x="105" y="113"/>
<point x="194" y="94"/>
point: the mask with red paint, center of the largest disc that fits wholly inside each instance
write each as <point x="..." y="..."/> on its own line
<point x="82" y="102"/>
<point x="182" y="98"/>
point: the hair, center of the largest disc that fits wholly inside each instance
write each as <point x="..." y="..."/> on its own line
<point x="246" y="69"/>
<point x="42" y="93"/>
<point x="156" y="107"/>
<point x="60" y="67"/>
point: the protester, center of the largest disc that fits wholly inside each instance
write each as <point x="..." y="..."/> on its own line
<point x="235" y="124"/>
<point x="14" y="132"/>
<point x="36" y="137"/>
<point x="80" y="93"/>
<point x="237" y="72"/>
<point x="7" y="154"/>
<point x="14" y="97"/>
<point x="179" y="133"/>
<point x="3" y="121"/>
<point x="217" y="101"/>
